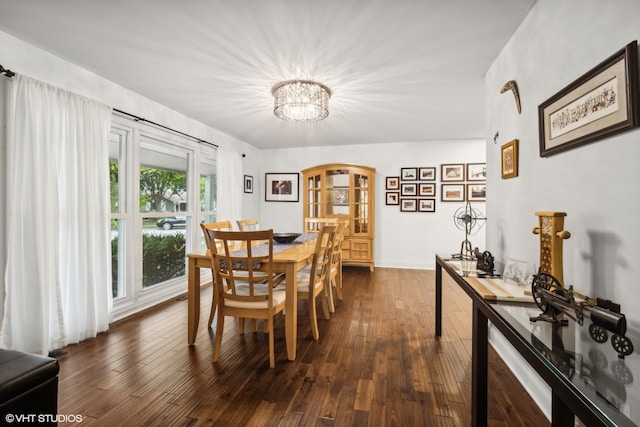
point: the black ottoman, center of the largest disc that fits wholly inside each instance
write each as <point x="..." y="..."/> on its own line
<point x="28" y="389"/>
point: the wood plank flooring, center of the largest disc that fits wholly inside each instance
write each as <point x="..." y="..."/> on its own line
<point x="377" y="363"/>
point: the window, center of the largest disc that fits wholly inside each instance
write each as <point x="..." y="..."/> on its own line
<point x="163" y="191"/>
<point x="117" y="140"/>
<point x="162" y="186"/>
<point x="208" y="208"/>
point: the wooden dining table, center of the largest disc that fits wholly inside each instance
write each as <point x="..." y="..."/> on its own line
<point x="288" y="261"/>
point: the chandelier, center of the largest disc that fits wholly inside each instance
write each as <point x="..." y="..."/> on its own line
<point x="301" y="101"/>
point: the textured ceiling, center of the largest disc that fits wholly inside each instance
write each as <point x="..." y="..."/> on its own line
<point x="400" y="70"/>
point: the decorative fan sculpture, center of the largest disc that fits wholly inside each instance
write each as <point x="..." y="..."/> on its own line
<point x="470" y="220"/>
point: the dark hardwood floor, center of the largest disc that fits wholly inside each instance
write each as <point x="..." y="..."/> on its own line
<point x="377" y="363"/>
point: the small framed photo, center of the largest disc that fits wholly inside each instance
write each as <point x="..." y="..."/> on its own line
<point x="409" y="174"/>
<point x="408" y="205"/>
<point x="477" y="192"/>
<point x="427" y="174"/>
<point x="426" y="205"/>
<point x="393" y="198"/>
<point x="452" y="193"/>
<point x="393" y="183"/>
<point x="408" y="189"/>
<point x="248" y="184"/>
<point x="516" y="271"/>
<point x="452" y="172"/>
<point x="510" y="159"/>
<point x="281" y="187"/>
<point x="426" y="190"/>
<point x="476" y="171"/>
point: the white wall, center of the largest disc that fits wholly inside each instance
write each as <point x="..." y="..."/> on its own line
<point x="402" y="239"/>
<point x="595" y="184"/>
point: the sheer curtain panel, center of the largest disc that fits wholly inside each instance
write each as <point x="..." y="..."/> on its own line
<point x="57" y="278"/>
<point x="230" y="185"/>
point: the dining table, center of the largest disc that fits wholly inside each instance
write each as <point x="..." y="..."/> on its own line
<point x="287" y="259"/>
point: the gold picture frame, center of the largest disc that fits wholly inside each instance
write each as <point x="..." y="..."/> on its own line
<point x="510" y="159"/>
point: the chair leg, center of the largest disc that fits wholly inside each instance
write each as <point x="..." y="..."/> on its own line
<point x="254" y="325"/>
<point x="337" y="281"/>
<point x="272" y="353"/>
<point x="328" y="293"/>
<point x="218" y="341"/>
<point x="213" y="309"/>
<point x="241" y="325"/>
<point x="325" y="305"/>
<point x="313" y="317"/>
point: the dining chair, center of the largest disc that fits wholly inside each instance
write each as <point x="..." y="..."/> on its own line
<point x="313" y="224"/>
<point x="335" y="273"/>
<point x="248" y="224"/>
<point x="245" y="283"/>
<point x="334" y="279"/>
<point x="220" y="225"/>
<point x="312" y="282"/>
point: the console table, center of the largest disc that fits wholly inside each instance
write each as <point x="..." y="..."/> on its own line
<point x="587" y="378"/>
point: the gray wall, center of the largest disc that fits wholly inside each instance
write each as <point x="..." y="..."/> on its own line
<point x="595" y="184"/>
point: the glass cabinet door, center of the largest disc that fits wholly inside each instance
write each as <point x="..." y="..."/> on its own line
<point x="360" y="204"/>
<point x="313" y="204"/>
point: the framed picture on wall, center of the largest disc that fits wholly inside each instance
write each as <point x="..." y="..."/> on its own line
<point x="393" y="198"/>
<point x="426" y="189"/>
<point x="476" y="171"/>
<point x="408" y="205"/>
<point x="510" y="159"/>
<point x="248" y="184"/>
<point x="477" y="192"/>
<point x="427" y="174"/>
<point x="426" y="205"/>
<point x="393" y="183"/>
<point x="452" y="172"/>
<point x="598" y="104"/>
<point x="281" y="187"/>
<point x="452" y="192"/>
<point x="408" y="189"/>
<point x="409" y="174"/>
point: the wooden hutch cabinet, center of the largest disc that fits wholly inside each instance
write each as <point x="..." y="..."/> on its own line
<point x="346" y="191"/>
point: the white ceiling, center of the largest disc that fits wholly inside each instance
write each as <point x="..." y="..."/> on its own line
<point x="400" y="70"/>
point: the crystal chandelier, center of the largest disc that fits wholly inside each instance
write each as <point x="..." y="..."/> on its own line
<point x="301" y="101"/>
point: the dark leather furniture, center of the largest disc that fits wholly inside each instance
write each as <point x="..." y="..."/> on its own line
<point x="28" y="389"/>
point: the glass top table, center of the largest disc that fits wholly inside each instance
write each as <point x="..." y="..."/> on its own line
<point x="588" y="374"/>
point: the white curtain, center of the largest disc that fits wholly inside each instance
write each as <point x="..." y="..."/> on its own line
<point x="230" y="185"/>
<point x="57" y="279"/>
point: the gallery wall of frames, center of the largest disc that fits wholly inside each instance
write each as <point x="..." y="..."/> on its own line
<point x="414" y="190"/>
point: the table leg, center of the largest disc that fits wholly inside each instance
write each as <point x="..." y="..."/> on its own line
<point x="438" y="299"/>
<point x="193" y="299"/>
<point x="561" y="415"/>
<point x="479" y="364"/>
<point x="291" y="310"/>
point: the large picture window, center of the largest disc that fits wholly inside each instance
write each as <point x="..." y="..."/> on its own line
<point x="163" y="192"/>
<point x="162" y="186"/>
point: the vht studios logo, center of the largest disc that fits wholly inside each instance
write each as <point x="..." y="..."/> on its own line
<point x="42" y="418"/>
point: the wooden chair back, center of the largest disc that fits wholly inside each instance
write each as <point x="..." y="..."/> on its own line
<point x="248" y="224"/>
<point x="313" y="224"/>
<point x="220" y="225"/>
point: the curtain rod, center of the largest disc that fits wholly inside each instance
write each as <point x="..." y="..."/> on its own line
<point x="10" y="74"/>
<point x="6" y="72"/>
<point x="141" y="119"/>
